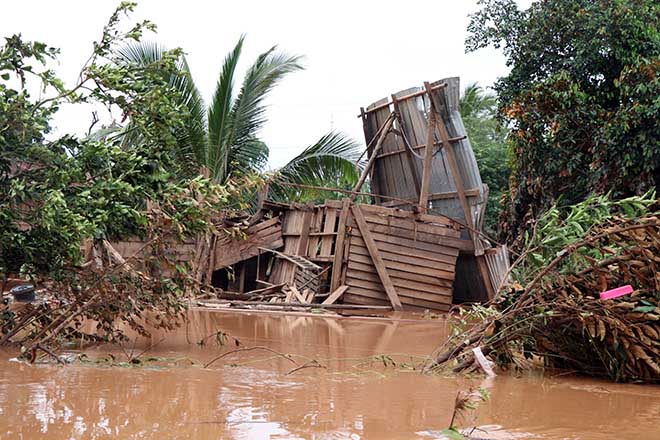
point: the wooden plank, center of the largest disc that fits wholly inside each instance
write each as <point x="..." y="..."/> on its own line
<point x="398" y="250"/>
<point x="410" y="159"/>
<point x="380" y="105"/>
<point x="339" y="245"/>
<point x="358" y="288"/>
<point x="403" y="267"/>
<point x="413" y="244"/>
<point x="304" y="234"/>
<point x="451" y="155"/>
<point x="418" y="237"/>
<point x="297" y="295"/>
<point x="329" y="226"/>
<point x="359" y="248"/>
<point x="377" y="261"/>
<point x="434" y="196"/>
<point x="315" y="234"/>
<point x="405" y="288"/>
<point x="413" y="225"/>
<point x="266" y="290"/>
<point x="263" y="225"/>
<point x="436" y="219"/>
<point x="335" y="295"/>
<point x="370" y="302"/>
<point x="403" y="275"/>
<point x="426" y="167"/>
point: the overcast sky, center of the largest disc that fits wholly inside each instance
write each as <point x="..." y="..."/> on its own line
<point x="356" y="52"/>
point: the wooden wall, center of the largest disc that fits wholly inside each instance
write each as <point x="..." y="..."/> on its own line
<point x="418" y="253"/>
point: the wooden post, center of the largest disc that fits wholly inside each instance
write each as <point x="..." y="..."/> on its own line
<point x="339" y="245"/>
<point x="374" y="153"/>
<point x="428" y="158"/>
<point x="376" y="259"/>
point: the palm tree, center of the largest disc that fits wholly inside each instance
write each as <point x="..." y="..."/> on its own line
<point x="223" y="137"/>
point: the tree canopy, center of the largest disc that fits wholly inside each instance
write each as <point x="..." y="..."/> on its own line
<point x="581" y="99"/>
<point x="488" y="140"/>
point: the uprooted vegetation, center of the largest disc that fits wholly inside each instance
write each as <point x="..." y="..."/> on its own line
<point x="552" y="312"/>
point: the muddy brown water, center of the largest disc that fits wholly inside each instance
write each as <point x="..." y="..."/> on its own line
<point x="248" y="395"/>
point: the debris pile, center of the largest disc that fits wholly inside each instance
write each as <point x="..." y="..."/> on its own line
<point x="563" y="310"/>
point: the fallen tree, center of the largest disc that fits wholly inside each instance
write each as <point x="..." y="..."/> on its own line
<point x="553" y="311"/>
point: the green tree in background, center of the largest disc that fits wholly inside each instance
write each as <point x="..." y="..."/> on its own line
<point x="581" y="100"/>
<point x="223" y="137"/>
<point x="479" y="114"/>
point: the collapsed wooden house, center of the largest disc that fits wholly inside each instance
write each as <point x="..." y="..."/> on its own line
<point x="417" y="246"/>
<point x="373" y="255"/>
<point x="443" y="179"/>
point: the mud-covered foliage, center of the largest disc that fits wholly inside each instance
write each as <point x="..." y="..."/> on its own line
<point x="581" y="99"/>
<point x="552" y="310"/>
<point x="59" y="193"/>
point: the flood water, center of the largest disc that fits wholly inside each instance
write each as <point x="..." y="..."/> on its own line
<point x="248" y="395"/>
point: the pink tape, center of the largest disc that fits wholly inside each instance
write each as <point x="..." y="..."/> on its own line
<point x="615" y="293"/>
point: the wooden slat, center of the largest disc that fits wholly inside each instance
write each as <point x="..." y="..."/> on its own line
<point x="339" y="245"/>
<point x="406" y="276"/>
<point x="420" y="290"/>
<point x="375" y="257"/>
<point x="314" y="234"/>
<point x="401" y="250"/>
<point x="426" y="167"/>
<point x="357" y="252"/>
<point x="410" y="158"/>
<point x="417" y="237"/>
<point x="304" y="233"/>
<point x="328" y="228"/>
<point x="364" y="289"/>
<point x="413" y="225"/>
<point x="335" y="295"/>
<point x="437" y="219"/>
<point x="404" y="257"/>
<point x="365" y="301"/>
<point x="403" y="267"/>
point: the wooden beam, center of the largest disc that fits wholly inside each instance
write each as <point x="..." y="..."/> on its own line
<point x="386" y="130"/>
<point x="335" y="295"/>
<point x="339" y="245"/>
<point x="451" y="157"/>
<point x="376" y="259"/>
<point x="473" y="192"/>
<point x="403" y="98"/>
<point x="428" y="161"/>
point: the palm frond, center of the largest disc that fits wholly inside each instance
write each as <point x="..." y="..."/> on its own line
<point x="250" y="157"/>
<point x="248" y="114"/>
<point x="330" y="162"/>
<point x="477" y="102"/>
<point x="219" y="116"/>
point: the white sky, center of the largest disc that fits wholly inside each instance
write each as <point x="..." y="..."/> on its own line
<point x="356" y="52"/>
